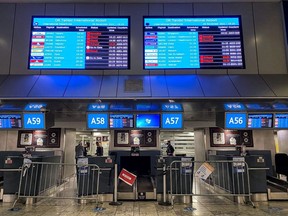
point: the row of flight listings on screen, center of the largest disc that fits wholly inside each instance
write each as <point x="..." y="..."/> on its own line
<point x="83" y="43"/>
<point x="255" y="120"/>
<point x="99" y="121"/>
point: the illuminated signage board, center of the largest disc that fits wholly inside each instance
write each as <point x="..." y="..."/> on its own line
<point x="172" y="121"/>
<point x="34" y="106"/>
<point x="260" y="120"/>
<point x="281" y="120"/>
<point x="234" y="107"/>
<point x="34" y="121"/>
<point x="10" y="121"/>
<point x="148" y="121"/>
<point x="235" y="120"/>
<point x="98" y="107"/>
<point x="172" y="107"/>
<point x="97" y="121"/>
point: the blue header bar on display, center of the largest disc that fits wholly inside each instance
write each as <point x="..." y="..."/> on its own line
<point x="78" y="21"/>
<point x="231" y="21"/>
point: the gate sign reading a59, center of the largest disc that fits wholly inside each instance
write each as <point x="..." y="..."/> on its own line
<point x="235" y="120"/>
<point x="97" y="120"/>
<point x="34" y="121"/>
<point x="172" y="120"/>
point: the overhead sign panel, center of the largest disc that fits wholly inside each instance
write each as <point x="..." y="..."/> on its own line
<point x="172" y="121"/>
<point x="34" y="121"/>
<point x="97" y="121"/>
<point x="172" y="107"/>
<point x="235" y="120"/>
<point x="98" y="107"/>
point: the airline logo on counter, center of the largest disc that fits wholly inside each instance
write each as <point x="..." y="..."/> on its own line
<point x="127" y="177"/>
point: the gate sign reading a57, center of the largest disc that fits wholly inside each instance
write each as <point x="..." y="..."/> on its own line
<point x="235" y="120"/>
<point x="172" y="120"/>
<point x="34" y="121"/>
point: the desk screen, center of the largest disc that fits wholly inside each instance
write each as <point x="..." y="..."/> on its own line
<point x="10" y="121"/>
<point x="193" y="42"/>
<point x="148" y="121"/>
<point x="260" y="120"/>
<point x="281" y="120"/>
<point x="79" y="43"/>
<point x="121" y="121"/>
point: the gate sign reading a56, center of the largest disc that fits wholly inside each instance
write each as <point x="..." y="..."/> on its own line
<point x="172" y="120"/>
<point x="34" y="121"/>
<point x="235" y="120"/>
<point x="97" y="120"/>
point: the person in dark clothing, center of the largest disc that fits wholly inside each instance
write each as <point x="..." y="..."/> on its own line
<point x="170" y="149"/>
<point x="79" y="150"/>
<point x="99" y="149"/>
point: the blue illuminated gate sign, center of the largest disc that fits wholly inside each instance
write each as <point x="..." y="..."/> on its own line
<point x="34" y="121"/>
<point x="97" y="120"/>
<point x="235" y="120"/>
<point x="172" y="120"/>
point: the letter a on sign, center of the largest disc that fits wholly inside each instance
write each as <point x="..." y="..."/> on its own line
<point x="127" y="177"/>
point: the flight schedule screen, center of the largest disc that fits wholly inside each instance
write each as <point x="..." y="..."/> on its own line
<point x="79" y="43"/>
<point x="193" y="42"/>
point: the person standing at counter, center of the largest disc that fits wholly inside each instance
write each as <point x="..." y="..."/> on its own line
<point x="99" y="149"/>
<point x="79" y="150"/>
<point x="170" y="149"/>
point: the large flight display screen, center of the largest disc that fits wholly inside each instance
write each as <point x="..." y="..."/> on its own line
<point x="10" y="121"/>
<point x="79" y="43"/>
<point x="260" y="120"/>
<point x="193" y="43"/>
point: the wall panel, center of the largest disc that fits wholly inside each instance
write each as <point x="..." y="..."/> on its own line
<point x="136" y="12"/>
<point x="7" y="12"/>
<point x="269" y="34"/>
<point x="21" y="37"/>
<point x="246" y="13"/>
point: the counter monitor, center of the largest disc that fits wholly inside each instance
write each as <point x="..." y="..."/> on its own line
<point x="148" y="120"/>
<point x="260" y="120"/>
<point x="10" y="121"/>
<point x="281" y="120"/>
<point x="121" y="121"/>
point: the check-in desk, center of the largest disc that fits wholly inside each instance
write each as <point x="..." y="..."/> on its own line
<point x="235" y="176"/>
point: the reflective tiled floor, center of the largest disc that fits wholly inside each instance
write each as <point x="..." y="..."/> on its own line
<point x="205" y="206"/>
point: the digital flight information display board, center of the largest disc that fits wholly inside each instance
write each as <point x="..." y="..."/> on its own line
<point x="121" y="120"/>
<point x="10" y="121"/>
<point x="281" y="120"/>
<point x="260" y="120"/>
<point x="79" y="43"/>
<point x="193" y="42"/>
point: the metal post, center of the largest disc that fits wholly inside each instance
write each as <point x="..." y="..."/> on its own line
<point x="115" y="202"/>
<point x="164" y="203"/>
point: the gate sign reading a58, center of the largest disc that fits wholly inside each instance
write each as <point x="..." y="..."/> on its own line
<point x="97" y="120"/>
<point x="172" y="120"/>
<point x="34" y="121"/>
<point x="235" y="120"/>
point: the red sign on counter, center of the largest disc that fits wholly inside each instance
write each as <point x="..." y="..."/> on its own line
<point x="128" y="177"/>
